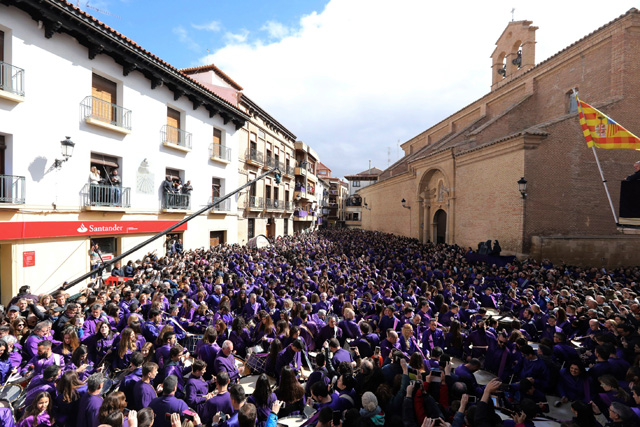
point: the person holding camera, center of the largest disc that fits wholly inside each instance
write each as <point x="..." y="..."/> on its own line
<point x="167" y="404"/>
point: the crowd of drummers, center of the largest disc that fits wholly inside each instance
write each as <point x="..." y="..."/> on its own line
<point x="338" y="327"/>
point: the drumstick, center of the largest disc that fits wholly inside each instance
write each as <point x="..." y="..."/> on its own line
<point x="175" y="322"/>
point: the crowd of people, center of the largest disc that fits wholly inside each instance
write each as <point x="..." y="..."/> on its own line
<point x="338" y="327"/>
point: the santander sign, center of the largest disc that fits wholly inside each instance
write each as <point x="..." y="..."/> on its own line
<point x="44" y="229"/>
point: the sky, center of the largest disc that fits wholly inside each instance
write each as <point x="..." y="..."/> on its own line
<point x="354" y="79"/>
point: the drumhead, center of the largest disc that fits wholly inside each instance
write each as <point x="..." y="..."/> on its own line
<point x="108" y="383"/>
<point x="10" y="392"/>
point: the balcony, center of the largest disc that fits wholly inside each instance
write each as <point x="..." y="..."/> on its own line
<point x="274" y="204"/>
<point x="289" y="170"/>
<point x="301" y="169"/>
<point x="11" y="82"/>
<point x="270" y="162"/>
<point x="12" y="190"/>
<point x="175" y="138"/>
<point x="101" y="197"/>
<point x="254" y="157"/>
<point x="301" y="215"/>
<point x="220" y="153"/>
<point x="255" y="203"/>
<point x="97" y="112"/>
<point x="176" y="201"/>
<point x="222" y="207"/>
<point x="357" y="202"/>
<point x="288" y="206"/>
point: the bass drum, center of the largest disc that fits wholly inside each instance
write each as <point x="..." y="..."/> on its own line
<point x="260" y="241"/>
<point x="10" y="393"/>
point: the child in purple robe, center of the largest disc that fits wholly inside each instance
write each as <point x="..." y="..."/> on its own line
<point x="39" y="413"/>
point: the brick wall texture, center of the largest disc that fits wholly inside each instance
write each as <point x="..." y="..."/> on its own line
<point x="523" y="128"/>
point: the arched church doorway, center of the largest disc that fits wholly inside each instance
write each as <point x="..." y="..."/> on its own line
<point x="440" y="226"/>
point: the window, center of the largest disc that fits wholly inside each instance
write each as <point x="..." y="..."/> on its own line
<point x="1" y="46"/>
<point x="572" y="106"/>
<point x="217" y="238"/>
<point x="252" y="188"/>
<point x="104" y="93"/>
<point x="356" y="183"/>
<point x="173" y="126"/>
<point x="217" y="136"/>
<point x="251" y="226"/>
<point x="286" y="226"/>
<point x="216" y="188"/>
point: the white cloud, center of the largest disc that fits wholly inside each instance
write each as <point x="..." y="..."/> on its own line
<point x="361" y="75"/>
<point x="236" y="38"/>
<point x="213" y="26"/>
<point x="185" y="39"/>
<point x="275" y="30"/>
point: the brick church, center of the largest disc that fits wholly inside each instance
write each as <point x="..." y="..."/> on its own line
<point x="458" y="181"/>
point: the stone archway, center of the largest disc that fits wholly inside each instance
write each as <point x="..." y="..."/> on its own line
<point x="440" y="226"/>
<point x="434" y="194"/>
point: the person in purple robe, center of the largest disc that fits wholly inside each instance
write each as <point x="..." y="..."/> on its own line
<point x="220" y="402"/>
<point x="44" y="357"/>
<point x="339" y="354"/>
<point x="251" y="309"/>
<point x="90" y="325"/>
<point x="69" y="391"/>
<point x="197" y="390"/>
<point x="167" y="403"/>
<point x="130" y="380"/>
<point x="226" y="361"/>
<point x="6" y="417"/>
<point x="101" y="342"/>
<point x="90" y="402"/>
<point x="389" y="344"/>
<point x="432" y="337"/>
<point x="265" y="331"/>
<point x="328" y="332"/>
<point x="499" y="358"/>
<point x="38" y="414"/>
<point x="574" y="384"/>
<point x="465" y="373"/>
<point x="209" y="349"/>
<point x="5" y="364"/>
<point x="143" y="391"/>
<point x="408" y="343"/>
<point x="162" y="352"/>
<point x="350" y="329"/>
<point x="450" y="315"/>
<point x="288" y="357"/>
<point x="533" y="368"/>
<point x="239" y="336"/>
<point x="175" y="367"/>
<point x="44" y="382"/>
<point x="80" y="363"/>
<point x="152" y="327"/>
<point x="262" y="398"/>
<point x="40" y="332"/>
<point x="479" y="338"/>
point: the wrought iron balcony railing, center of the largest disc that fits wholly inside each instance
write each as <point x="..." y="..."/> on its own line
<point x="12" y="189"/>
<point x="106" y="196"/>
<point x="172" y="135"/>
<point x="11" y="79"/>
<point x="224" y="206"/>
<point x="221" y="152"/>
<point x="255" y="202"/>
<point x="254" y="155"/>
<point x="176" y="201"/>
<point x="98" y="109"/>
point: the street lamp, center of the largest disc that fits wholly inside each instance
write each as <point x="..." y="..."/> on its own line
<point x="67" y="151"/>
<point x="522" y="186"/>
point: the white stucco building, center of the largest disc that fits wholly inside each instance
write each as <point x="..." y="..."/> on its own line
<point x="63" y="73"/>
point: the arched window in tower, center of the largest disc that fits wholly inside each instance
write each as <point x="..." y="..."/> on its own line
<point x="503" y="70"/>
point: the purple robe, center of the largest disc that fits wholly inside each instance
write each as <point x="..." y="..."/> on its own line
<point x="143" y="394"/>
<point x="6" y="417"/>
<point x="88" y="410"/>
<point x="40" y="364"/>
<point x="35" y="421"/>
<point x="39" y="385"/>
<point x="166" y="404"/>
<point x="195" y="392"/>
<point x="220" y="402"/>
<point x="227" y="363"/>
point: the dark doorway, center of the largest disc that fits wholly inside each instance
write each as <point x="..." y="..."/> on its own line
<point x="440" y="226"/>
<point x="271" y="228"/>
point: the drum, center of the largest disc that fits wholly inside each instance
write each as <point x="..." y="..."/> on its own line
<point x="257" y="362"/>
<point x="190" y="343"/>
<point x="292" y="421"/>
<point x="483" y="377"/>
<point x="248" y="383"/>
<point x="11" y="392"/>
<point x="492" y="312"/>
<point x="19" y="403"/>
<point x="312" y="358"/>
<point x="107" y="386"/>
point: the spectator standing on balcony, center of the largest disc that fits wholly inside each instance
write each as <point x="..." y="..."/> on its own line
<point x="167" y="190"/>
<point x="636" y="175"/>
<point x="186" y="190"/>
<point x="94" y="180"/>
<point x="116" y="184"/>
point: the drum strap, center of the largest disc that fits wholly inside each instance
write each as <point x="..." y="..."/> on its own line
<point x="347" y="398"/>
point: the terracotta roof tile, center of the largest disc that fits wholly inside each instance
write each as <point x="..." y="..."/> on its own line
<point x="212" y="67"/>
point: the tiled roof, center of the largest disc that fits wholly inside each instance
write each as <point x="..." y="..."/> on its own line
<point x="212" y="67"/>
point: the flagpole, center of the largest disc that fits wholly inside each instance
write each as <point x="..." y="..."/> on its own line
<point x="604" y="183"/>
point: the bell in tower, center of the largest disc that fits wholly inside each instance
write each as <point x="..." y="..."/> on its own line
<point x="514" y="53"/>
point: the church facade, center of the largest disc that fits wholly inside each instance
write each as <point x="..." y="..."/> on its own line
<point x="458" y="181"/>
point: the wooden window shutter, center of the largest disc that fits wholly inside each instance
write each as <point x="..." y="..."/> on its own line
<point x="217" y="136"/>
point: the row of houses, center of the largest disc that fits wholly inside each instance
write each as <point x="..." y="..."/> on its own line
<point x="103" y="142"/>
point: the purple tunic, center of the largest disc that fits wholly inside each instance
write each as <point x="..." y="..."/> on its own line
<point x="221" y="402"/>
<point x="166" y="404"/>
<point x="227" y="363"/>
<point x="143" y="394"/>
<point x="35" y="421"/>
<point x="195" y="392"/>
<point x="88" y="410"/>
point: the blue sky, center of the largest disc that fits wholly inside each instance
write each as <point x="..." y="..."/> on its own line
<point x="352" y="78"/>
